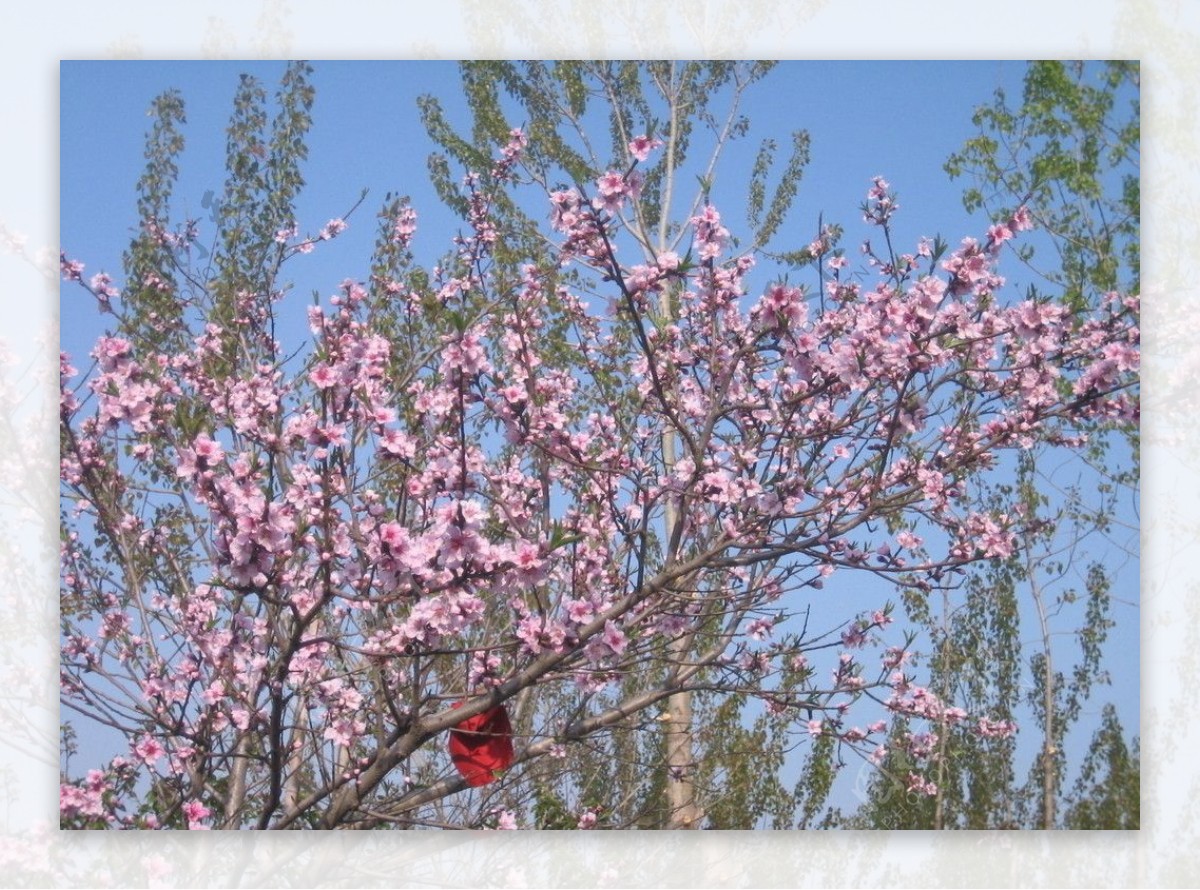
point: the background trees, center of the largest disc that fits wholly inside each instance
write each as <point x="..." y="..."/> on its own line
<point x="1069" y="152"/>
<point x="594" y="489"/>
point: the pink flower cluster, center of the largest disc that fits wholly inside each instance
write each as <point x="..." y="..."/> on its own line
<point x="641" y="146"/>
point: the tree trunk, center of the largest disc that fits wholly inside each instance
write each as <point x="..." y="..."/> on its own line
<point x="1049" y="779"/>
<point x="681" y="767"/>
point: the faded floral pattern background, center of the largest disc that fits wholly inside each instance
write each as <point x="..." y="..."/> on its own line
<point x="1164" y="34"/>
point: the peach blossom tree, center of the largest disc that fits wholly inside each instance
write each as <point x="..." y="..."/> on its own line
<point x="292" y="567"/>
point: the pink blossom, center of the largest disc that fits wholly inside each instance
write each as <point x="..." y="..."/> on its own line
<point x="1021" y="220"/>
<point x="74" y="800"/>
<point x="996" y="729"/>
<point x="332" y="229"/>
<point x="855" y="636"/>
<point x="102" y="286"/>
<point x="611" y="643"/>
<point x="668" y="261"/>
<point x="72" y="270"/>
<point x="506" y="820"/>
<point x="641" y="146"/>
<point x="148" y="749"/>
<point x="610" y="183"/>
<point x="323" y="376"/>
<point x="343" y="730"/>
<point x="204" y="454"/>
<point x="578" y="611"/>
<point x="194" y="811"/>
<point x="760" y="628"/>
<point x="539" y="634"/>
<point x="404" y="226"/>
<point x="998" y="234"/>
<point x="882" y="204"/>
<point x="917" y="784"/>
<point x="711" y="236"/>
<point x="612" y="190"/>
<point x="587" y="820"/>
<point x="755" y="662"/>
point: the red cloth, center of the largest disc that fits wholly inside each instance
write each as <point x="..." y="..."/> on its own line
<point x="481" y="746"/>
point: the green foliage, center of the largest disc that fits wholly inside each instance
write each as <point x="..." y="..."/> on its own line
<point x="816" y="781"/>
<point x="785" y="192"/>
<point x="889" y="805"/>
<point x="165" y="281"/>
<point x="1070" y="152"/>
<point x="150" y="267"/>
<point x="1107" y="794"/>
<point x="739" y="771"/>
<point x="263" y="180"/>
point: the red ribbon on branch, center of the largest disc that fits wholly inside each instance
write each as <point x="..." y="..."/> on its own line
<point x="481" y="746"/>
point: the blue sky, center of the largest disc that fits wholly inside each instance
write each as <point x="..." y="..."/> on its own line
<point x="898" y="119"/>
